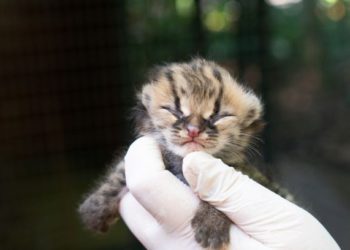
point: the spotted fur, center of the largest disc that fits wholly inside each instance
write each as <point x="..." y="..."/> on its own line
<point x="227" y="116"/>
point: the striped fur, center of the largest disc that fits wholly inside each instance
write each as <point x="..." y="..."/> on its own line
<point x="202" y="94"/>
<point x="198" y="94"/>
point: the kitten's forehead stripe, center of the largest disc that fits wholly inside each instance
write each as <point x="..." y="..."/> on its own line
<point x="189" y="80"/>
<point x="217" y="74"/>
<point x="193" y="82"/>
<point x="170" y="77"/>
<point x="217" y="104"/>
<point x="200" y="81"/>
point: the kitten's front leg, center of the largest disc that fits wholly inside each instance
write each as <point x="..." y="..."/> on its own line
<point x="211" y="227"/>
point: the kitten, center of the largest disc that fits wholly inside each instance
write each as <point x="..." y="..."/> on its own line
<point x="186" y="107"/>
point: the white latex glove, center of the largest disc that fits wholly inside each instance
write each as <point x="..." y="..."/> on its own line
<point x="158" y="207"/>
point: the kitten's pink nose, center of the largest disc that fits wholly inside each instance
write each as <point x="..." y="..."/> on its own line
<point x="192" y="131"/>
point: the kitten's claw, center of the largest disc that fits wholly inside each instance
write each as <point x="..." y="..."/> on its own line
<point x="211" y="229"/>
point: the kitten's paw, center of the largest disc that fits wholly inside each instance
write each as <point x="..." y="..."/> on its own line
<point x="210" y="239"/>
<point x="212" y="231"/>
<point x="97" y="214"/>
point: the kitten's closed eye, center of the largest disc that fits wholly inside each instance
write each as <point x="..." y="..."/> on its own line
<point x="218" y="120"/>
<point x="177" y="113"/>
<point x="223" y="120"/>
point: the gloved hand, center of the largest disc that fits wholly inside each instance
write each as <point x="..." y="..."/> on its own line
<point x="158" y="208"/>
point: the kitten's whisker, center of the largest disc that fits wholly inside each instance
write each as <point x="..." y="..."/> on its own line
<point x="253" y="151"/>
<point x="252" y="137"/>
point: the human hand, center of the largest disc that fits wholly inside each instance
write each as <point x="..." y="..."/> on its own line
<point x="158" y="207"/>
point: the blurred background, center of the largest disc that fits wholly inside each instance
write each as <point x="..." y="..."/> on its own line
<point x="68" y="74"/>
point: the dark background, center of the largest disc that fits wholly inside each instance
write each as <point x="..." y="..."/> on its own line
<point x="69" y="70"/>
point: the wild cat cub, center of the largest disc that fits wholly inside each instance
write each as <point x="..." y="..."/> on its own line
<point x="186" y="107"/>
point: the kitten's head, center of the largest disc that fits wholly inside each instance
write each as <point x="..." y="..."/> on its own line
<point x="198" y="106"/>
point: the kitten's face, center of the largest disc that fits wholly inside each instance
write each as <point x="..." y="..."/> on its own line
<point x="199" y="107"/>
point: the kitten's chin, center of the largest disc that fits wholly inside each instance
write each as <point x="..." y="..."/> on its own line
<point x="192" y="147"/>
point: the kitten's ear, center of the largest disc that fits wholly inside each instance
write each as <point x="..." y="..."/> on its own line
<point x="254" y="111"/>
<point x="145" y="96"/>
<point x="141" y="116"/>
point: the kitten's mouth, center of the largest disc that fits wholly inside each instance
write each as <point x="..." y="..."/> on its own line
<point x="193" y="145"/>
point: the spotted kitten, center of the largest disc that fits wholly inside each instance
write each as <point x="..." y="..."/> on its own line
<point x="186" y="107"/>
